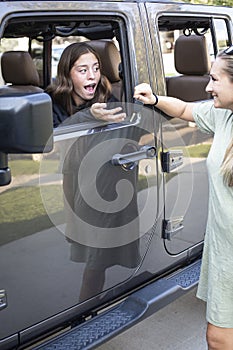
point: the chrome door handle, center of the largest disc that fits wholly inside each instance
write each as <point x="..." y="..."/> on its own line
<point x="129" y="160"/>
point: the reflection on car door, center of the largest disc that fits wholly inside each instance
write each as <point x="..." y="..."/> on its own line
<point x="81" y="218"/>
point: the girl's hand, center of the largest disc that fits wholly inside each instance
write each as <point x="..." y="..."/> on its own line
<point x="100" y="112"/>
<point x="143" y="93"/>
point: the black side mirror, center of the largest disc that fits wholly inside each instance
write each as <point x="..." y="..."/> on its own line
<point x="26" y="126"/>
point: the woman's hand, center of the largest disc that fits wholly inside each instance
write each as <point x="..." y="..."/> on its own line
<point x="171" y="106"/>
<point x="143" y="93"/>
<point x="100" y="112"/>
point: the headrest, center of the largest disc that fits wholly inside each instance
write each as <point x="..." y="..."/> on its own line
<point x="18" y="68"/>
<point x="109" y="56"/>
<point x="191" y="55"/>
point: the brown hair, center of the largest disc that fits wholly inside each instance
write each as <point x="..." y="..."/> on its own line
<point x="61" y="90"/>
<point x="227" y="164"/>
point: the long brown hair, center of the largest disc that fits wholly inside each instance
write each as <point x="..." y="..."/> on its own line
<point x="227" y="164"/>
<point x="61" y="90"/>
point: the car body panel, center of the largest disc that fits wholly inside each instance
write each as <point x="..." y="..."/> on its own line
<point x="147" y="222"/>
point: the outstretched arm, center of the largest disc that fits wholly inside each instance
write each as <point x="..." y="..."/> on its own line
<point x="171" y="106"/>
<point x="101" y="112"/>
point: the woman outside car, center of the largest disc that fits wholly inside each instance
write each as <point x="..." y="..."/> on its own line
<point x="215" y="117"/>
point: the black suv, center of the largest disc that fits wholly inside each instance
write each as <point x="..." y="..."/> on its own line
<point x="135" y="242"/>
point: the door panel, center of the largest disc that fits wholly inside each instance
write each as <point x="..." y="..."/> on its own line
<point x="73" y="224"/>
<point x="186" y="188"/>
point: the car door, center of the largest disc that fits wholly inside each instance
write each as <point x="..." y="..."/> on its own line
<point x="74" y="221"/>
<point x="185" y="148"/>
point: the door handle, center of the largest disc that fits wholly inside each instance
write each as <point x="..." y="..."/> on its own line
<point x="130" y="160"/>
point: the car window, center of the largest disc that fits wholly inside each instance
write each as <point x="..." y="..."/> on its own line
<point x="214" y="30"/>
<point x="45" y="40"/>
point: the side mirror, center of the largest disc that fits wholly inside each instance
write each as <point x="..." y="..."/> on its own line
<point x="26" y="126"/>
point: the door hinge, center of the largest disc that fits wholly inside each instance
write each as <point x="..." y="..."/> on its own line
<point x="172" y="226"/>
<point x="170" y="160"/>
<point x="3" y="299"/>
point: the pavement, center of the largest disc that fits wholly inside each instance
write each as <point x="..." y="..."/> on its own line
<point x="179" y="326"/>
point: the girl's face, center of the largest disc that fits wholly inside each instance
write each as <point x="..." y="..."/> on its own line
<point x="220" y="86"/>
<point x="85" y="75"/>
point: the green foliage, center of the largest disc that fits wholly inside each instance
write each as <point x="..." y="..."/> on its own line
<point x="196" y="151"/>
<point x="199" y="151"/>
<point x="212" y="2"/>
<point x="22" y="212"/>
<point x="24" y="167"/>
<point x="29" y="167"/>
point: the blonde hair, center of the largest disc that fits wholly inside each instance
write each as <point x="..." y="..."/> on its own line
<point x="227" y="164"/>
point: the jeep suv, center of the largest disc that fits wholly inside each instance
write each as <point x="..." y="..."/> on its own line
<point x="134" y="242"/>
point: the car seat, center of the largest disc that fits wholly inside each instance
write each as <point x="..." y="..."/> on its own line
<point x="192" y="62"/>
<point x="19" y="74"/>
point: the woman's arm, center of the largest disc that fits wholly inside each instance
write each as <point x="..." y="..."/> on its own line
<point x="101" y="112"/>
<point x="171" y="106"/>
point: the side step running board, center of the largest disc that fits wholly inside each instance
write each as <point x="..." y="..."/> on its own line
<point x="132" y="310"/>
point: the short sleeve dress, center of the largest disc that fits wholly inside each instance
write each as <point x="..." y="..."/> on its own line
<point x="216" y="280"/>
<point x="87" y="223"/>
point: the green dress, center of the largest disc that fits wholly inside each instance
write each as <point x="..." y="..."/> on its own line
<point x="216" y="280"/>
